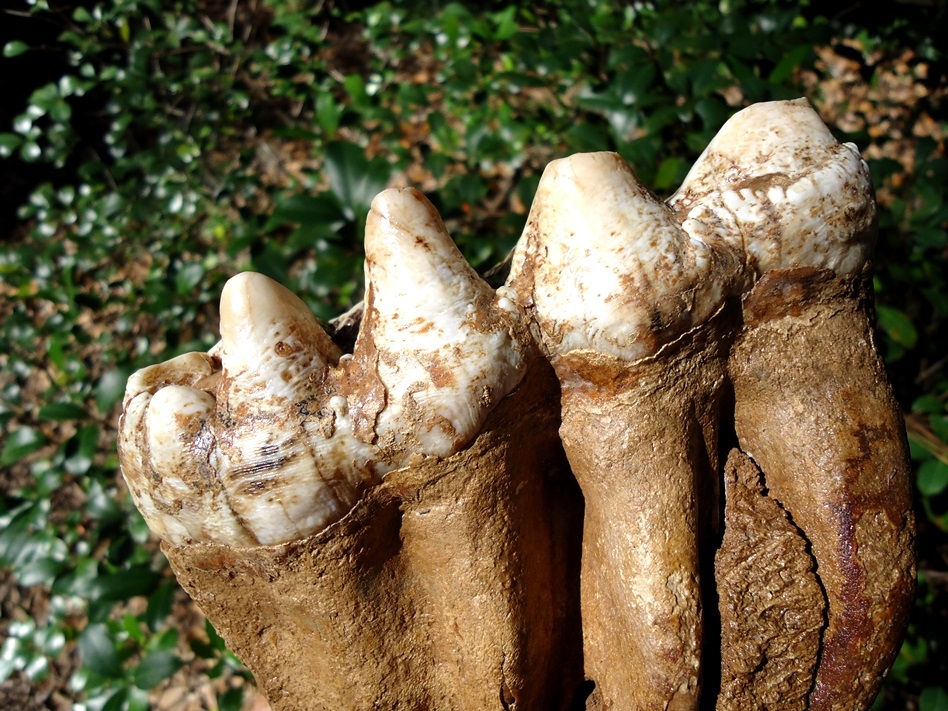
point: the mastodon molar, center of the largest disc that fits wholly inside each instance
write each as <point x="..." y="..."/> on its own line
<point x="605" y="266"/>
<point x="778" y="186"/>
<point x="275" y="433"/>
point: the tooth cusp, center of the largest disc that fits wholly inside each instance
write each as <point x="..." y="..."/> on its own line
<point x="440" y="335"/>
<point x="790" y="195"/>
<point x="275" y="435"/>
<point x="607" y="266"/>
<point x="271" y="344"/>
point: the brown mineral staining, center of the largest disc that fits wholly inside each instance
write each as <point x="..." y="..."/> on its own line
<point x="450" y="585"/>
<point x="770" y="602"/>
<point x="445" y="571"/>
<point x="815" y="411"/>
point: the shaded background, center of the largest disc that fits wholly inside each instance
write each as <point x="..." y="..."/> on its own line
<point x="149" y="150"/>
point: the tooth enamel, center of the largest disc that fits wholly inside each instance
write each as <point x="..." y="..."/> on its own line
<point x="442" y="342"/>
<point x="286" y="450"/>
<point x="185" y="369"/>
<point x="269" y="339"/>
<point x="613" y="271"/>
<point x="339" y="404"/>
<point x="776" y="185"/>
<point x="610" y="279"/>
<point x="283" y="482"/>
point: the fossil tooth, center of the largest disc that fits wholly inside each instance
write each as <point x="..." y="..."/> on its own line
<point x="297" y="430"/>
<point x="165" y="450"/>
<point x="444" y="349"/>
<point x="412" y="496"/>
<point x="273" y="353"/>
<point x="614" y="285"/>
<point x="776" y="184"/>
<point x="271" y="343"/>
<point x="179" y="442"/>
<point x="813" y="406"/>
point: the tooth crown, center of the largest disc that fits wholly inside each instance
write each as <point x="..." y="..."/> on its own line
<point x="606" y="266"/>
<point x="445" y="350"/>
<point x="261" y="443"/>
<point x="776" y="185"/>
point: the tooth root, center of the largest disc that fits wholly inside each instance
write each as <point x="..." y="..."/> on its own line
<point x="270" y="342"/>
<point x="444" y="349"/>
<point x="767" y="660"/>
<point x="611" y="278"/>
<point x="807" y="381"/>
<point x="612" y="270"/>
<point x="775" y="184"/>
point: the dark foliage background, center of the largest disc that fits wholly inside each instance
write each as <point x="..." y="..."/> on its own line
<point x="151" y="149"/>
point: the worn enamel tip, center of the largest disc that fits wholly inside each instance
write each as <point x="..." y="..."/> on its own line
<point x="185" y="369"/>
<point x="446" y="354"/>
<point x="607" y="264"/>
<point x="777" y="184"/>
<point x="269" y="336"/>
<point x="419" y="279"/>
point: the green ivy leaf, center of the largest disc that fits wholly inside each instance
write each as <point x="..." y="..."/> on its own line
<point x="138" y="580"/>
<point x="15" y="48"/>
<point x="97" y="649"/>
<point x="898" y="326"/>
<point x="933" y="699"/>
<point x="110" y="388"/>
<point x="669" y="172"/>
<point x="155" y="668"/>
<point x="307" y="210"/>
<point x="355" y="179"/>
<point x="930" y="404"/>
<point x="188" y="277"/>
<point x="231" y="700"/>
<point x="62" y="411"/>
<point x="160" y="603"/>
<point x="21" y="443"/>
<point x="932" y="477"/>
<point x="328" y="114"/>
<point x="9" y="142"/>
<point x="86" y="442"/>
<point x="506" y="23"/>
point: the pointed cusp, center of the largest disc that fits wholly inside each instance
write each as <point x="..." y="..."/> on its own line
<point x="270" y="341"/>
<point x="441" y="336"/>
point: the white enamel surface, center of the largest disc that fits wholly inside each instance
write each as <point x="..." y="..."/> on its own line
<point x="270" y="342"/>
<point x="255" y="442"/>
<point x="609" y="266"/>
<point x="776" y="184"/>
<point x="444" y="345"/>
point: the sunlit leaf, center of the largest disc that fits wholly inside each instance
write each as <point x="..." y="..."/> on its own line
<point x="355" y="179"/>
<point x="15" y="48"/>
<point x="21" y="443"/>
<point x="97" y="649"/>
<point x="110" y="388"/>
